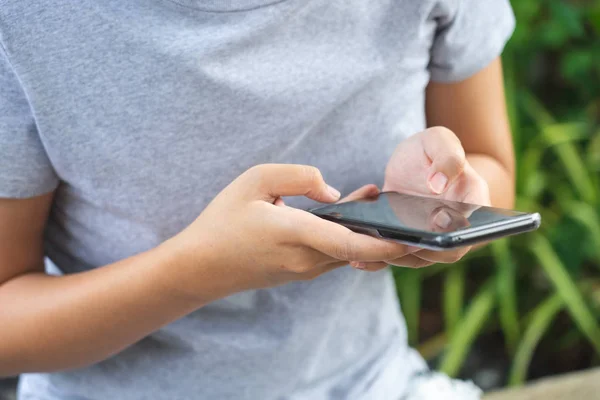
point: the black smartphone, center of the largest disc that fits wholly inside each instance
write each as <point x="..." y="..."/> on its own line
<point x="427" y="222"/>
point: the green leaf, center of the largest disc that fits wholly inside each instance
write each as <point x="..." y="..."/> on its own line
<point x="553" y="35"/>
<point x="593" y="157"/>
<point x="567" y="16"/>
<point x="507" y="293"/>
<point x="594" y="17"/>
<point x="454" y="290"/>
<point x="536" y="110"/>
<point x="526" y="10"/>
<point x="558" y="134"/>
<point x="541" y="318"/>
<point x="567" y="289"/>
<point x="432" y="347"/>
<point x="576" y="171"/>
<point x="529" y="173"/>
<point x="408" y="283"/>
<point x="568" y="239"/>
<point x="469" y="327"/>
<point x="576" y="63"/>
<point x="535" y="183"/>
<point x="589" y="218"/>
<point x="566" y="151"/>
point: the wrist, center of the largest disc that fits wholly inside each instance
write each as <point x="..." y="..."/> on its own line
<point x="193" y="272"/>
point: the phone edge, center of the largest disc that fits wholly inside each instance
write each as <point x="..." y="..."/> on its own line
<point x="526" y="223"/>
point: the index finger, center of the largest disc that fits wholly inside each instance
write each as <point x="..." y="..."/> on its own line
<point x="272" y="181"/>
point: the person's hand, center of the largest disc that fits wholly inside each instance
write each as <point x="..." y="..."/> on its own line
<point x="256" y="241"/>
<point x="433" y="164"/>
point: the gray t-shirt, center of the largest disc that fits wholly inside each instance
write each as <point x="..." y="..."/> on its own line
<point x="139" y="112"/>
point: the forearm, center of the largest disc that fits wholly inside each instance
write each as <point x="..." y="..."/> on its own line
<point x="500" y="180"/>
<point x="53" y="323"/>
<point x="475" y="110"/>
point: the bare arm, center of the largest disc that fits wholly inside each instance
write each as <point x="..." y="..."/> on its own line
<point x="243" y="240"/>
<point x="475" y="110"/>
<point x="51" y="323"/>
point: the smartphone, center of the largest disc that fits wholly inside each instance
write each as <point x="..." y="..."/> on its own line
<point x="427" y="222"/>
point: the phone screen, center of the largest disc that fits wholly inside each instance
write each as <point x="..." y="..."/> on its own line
<point x="397" y="211"/>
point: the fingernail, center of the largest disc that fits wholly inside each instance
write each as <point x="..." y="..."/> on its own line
<point x="438" y="182"/>
<point x="443" y="219"/>
<point x="334" y="192"/>
<point x="358" y="265"/>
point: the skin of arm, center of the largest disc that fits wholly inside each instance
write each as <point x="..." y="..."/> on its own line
<point x="47" y="320"/>
<point x="51" y="323"/>
<point x="475" y="110"/>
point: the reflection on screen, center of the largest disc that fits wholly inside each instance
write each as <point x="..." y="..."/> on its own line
<point x="396" y="210"/>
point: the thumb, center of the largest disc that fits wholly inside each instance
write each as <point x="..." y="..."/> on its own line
<point x="447" y="157"/>
<point x="271" y="181"/>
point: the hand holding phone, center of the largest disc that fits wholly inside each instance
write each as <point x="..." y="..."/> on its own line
<point x="247" y="239"/>
<point x="432" y="166"/>
<point x="433" y="163"/>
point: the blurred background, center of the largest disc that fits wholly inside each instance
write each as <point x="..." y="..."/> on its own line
<point x="527" y="307"/>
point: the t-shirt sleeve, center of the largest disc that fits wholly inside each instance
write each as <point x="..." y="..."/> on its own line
<point x="470" y="35"/>
<point x="25" y="170"/>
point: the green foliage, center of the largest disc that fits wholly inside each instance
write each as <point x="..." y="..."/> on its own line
<point x="539" y="324"/>
<point x="408" y="283"/>
<point x="474" y="320"/>
<point x="454" y="289"/>
<point x="507" y="292"/>
<point x="552" y="72"/>
<point x="567" y="290"/>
